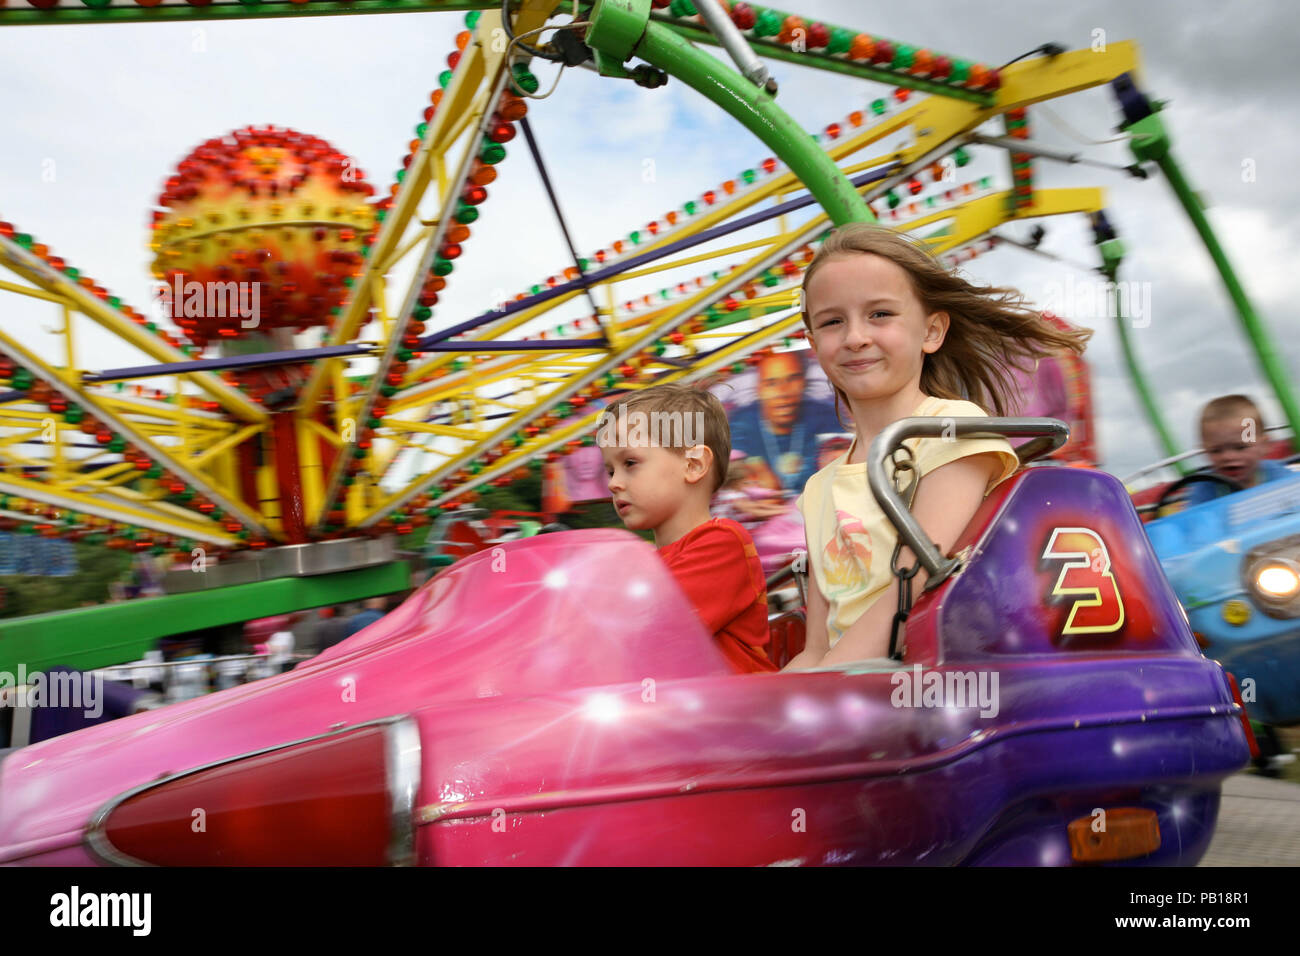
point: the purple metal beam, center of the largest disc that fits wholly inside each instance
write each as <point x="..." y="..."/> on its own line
<point x="303" y="356"/>
<point x="592" y="278"/>
<point x="439" y="341"/>
<point x="539" y="345"/>
<point x="284" y="357"/>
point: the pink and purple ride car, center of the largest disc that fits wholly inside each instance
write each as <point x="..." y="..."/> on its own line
<point x="557" y="702"/>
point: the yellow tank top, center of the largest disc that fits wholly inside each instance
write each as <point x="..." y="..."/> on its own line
<point x="850" y="541"/>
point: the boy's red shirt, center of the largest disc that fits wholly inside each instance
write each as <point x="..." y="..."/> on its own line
<point x="717" y="566"/>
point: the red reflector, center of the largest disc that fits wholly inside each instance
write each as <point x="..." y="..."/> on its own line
<point x="343" y="799"/>
<point x="1122" y="833"/>
<point x="1245" y="718"/>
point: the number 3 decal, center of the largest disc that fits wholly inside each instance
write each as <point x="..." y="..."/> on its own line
<point x="1097" y="608"/>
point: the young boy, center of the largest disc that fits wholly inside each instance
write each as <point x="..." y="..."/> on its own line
<point x="666" y="451"/>
<point x="1232" y="434"/>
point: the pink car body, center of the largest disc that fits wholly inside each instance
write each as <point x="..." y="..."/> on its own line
<point x="556" y="701"/>
<point x="452" y="655"/>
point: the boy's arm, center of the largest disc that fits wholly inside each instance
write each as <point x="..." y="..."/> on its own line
<point x="946" y="500"/>
<point x="717" y="578"/>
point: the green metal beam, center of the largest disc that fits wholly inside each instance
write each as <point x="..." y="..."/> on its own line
<point x="1112" y="253"/>
<point x="86" y="638"/>
<point x="661" y="47"/>
<point x="262" y="9"/>
<point x="1150" y="142"/>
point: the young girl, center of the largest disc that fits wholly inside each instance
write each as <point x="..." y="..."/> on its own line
<point x="900" y="336"/>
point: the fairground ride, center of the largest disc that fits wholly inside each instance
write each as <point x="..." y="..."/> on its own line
<point x="284" y="468"/>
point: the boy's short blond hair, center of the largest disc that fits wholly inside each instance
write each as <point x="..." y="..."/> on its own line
<point x="1234" y="407"/>
<point x="684" y="400"/>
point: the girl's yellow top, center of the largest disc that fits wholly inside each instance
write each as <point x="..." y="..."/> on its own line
<point x="850" y="541"/>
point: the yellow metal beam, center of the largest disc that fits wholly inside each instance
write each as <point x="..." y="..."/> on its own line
<point x="230" y="441"/>
<point x="41" y="274"/>
<point x="32" y="293"/>
<point x="147" y="408"/>
<point x="95" y="477"/>
<point x="161" y="455"/>
<point x="123" y="513"/>
<point x="311" y="474"/>
<point x="982" y="215"/>
<point x="479" y="65"/>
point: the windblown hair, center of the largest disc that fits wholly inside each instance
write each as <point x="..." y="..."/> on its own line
<point x="991" y="329"/>
<point x="686" y="400"/>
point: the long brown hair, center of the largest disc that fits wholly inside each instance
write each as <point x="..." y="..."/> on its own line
<point x="991" y="329"/>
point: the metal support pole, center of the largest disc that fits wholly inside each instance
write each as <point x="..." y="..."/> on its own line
<point x="741" y="53"/>
<point x="1112" y="253"/>
<point x="1049" y="152"/>
<point x="1150" y="141"/>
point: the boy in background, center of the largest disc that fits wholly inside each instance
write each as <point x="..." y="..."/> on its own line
<point x="1232" y="434"/>
<point x="666" y="451"/>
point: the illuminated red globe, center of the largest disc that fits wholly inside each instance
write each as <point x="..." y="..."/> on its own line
<point x="260" y="229"/>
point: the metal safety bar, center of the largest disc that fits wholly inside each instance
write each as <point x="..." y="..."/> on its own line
<point x="781" y="575"/>
<point x="1049" y="434"/>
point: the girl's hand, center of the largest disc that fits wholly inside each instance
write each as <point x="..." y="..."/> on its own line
<point x="816" y="641"/>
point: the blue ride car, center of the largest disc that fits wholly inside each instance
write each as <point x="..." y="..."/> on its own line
<point x="1234" y="563"/>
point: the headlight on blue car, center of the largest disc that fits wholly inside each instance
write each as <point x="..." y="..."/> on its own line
<point x="1273" y="577"/>
<point x="1277" y="581"/>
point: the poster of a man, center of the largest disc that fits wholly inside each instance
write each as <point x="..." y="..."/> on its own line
<point x="779" y="422"/>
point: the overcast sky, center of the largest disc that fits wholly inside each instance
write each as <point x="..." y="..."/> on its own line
<point x="107" y="111"/>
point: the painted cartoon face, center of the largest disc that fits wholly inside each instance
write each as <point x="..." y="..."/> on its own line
<point x="1234" y="448"/>
<point x="780" y="390"/>
<point x="870" y="331"/>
